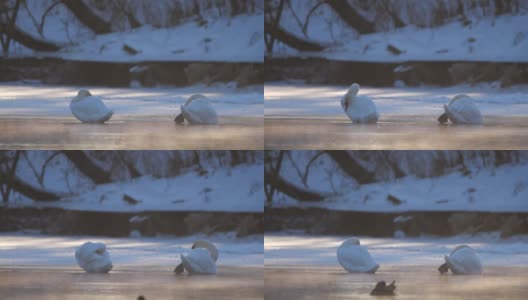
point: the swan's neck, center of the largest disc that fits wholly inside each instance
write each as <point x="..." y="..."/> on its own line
<point x="77" y="98"/>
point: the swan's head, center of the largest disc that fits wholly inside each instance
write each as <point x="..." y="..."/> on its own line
<point x="352" y="241"/>
<point x="83" y="93"/>
<point x="208" y="246"/>
<point x="354" y="89"/>
<point x="352" y="92"/>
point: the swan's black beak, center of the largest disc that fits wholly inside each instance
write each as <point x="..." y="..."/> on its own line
<point x="443" y="269"/>
<point x="179" y="269"/>
<point x="443" y="118"/>
<point x="179" y="119"/>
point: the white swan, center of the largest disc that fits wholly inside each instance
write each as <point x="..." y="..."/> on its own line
<point x="461" y="110"/>
<point x="93" y="258"/>
<point x="463" y="260"/>
<point x="89" y="109"/>
<point x="355" y="258"/>
<point x="360" y="109"/>
<point x="201" y="259"/>
<point x="197" y="110"/>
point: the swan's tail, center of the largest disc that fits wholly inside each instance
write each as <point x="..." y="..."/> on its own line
<point x="373" y="270"/>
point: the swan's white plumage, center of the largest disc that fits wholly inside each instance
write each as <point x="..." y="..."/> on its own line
<point x="360" y="109"/>
<point x="89" y="109"/>
<point x="355" y="258"/>
<point x="462" y="110"/>
<point x="93" y="258"/>
<point x="198" y="110"/>
<point x="463" y="260"/>
<point x="202" y="258"/>
<point x="199" y="261"/>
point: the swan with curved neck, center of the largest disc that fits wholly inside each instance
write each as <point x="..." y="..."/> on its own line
<point x="355" y="258"/>
<point x="197" y="109"/>
<point x="360" y="109"/>
<point x="201" y="260"/>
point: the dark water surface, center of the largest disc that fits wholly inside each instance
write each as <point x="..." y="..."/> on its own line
<point x="130" y="133"/>
<point x="412" y="282"/>
<point x="394" y="133"/>
<point x="153" y="284"/>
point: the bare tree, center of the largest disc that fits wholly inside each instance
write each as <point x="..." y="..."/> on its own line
<point x="7" y="173"/>
<point x="10" y="182"/>
<point x="86" y="16"/>
<point x="85" y="165"/>
<point x="8" y="16"/>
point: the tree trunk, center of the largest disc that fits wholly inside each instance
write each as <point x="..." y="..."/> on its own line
<point x="348" y="14"/>
<point x="85" y="165"/>
<point x="290" y="189"/>
<point x="34" y="193"/>
<point x="292" y="40"/>
<point x="85" y="14"/>
<point x="349" y="165"/>
<point x="28" y="40"/>
<point x="235" y="8"/>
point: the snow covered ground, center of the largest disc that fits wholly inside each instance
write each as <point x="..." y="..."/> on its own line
<point x="290" y="249"/>
<point x="501" y="189"/>
<point x="297" y="99"/>
<point x="497" y="39"/>
<point x="225" y="39"/>
<point x="33" y="250"/>
<point x="33" y="99"/>
<point x="236" y="189"/>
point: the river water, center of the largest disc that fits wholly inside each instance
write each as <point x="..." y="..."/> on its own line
<point x="128" y="283"/>
<point x="393" y="132"/>
<point x="412" y="282"/>
<point x="130" y="133"/>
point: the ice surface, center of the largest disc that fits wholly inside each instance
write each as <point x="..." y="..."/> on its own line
<point x="299" y="249"/>
<point x="299" y="99"/>
<point x="35" y="250"/>
<point x="20" y="99"/>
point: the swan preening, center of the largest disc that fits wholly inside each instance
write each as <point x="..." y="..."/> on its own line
<point x="360" y="109"/>
<point x="93" y="258"/>
<point x="89" y="109"/>
<point x="201" y="260"/>
<point x="463" y="260"/>
<point x="461" y="110"/>
<point x="355" y="258"/>
<point x="197" y="110"/>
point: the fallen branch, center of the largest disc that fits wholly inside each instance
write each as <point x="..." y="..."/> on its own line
<point x="292" y="190"/>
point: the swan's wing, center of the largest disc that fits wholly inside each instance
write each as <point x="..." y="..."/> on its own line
<point x="199" y="261"/>
<point x="464" y="111"/>
<point x="200" y="111"/>
<point x="356" y="259"/>
<point x="363" y="110"/>
<point x="93" y="257"/>
<point x="464" y="261"/>
<point x="90" y="109"/>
